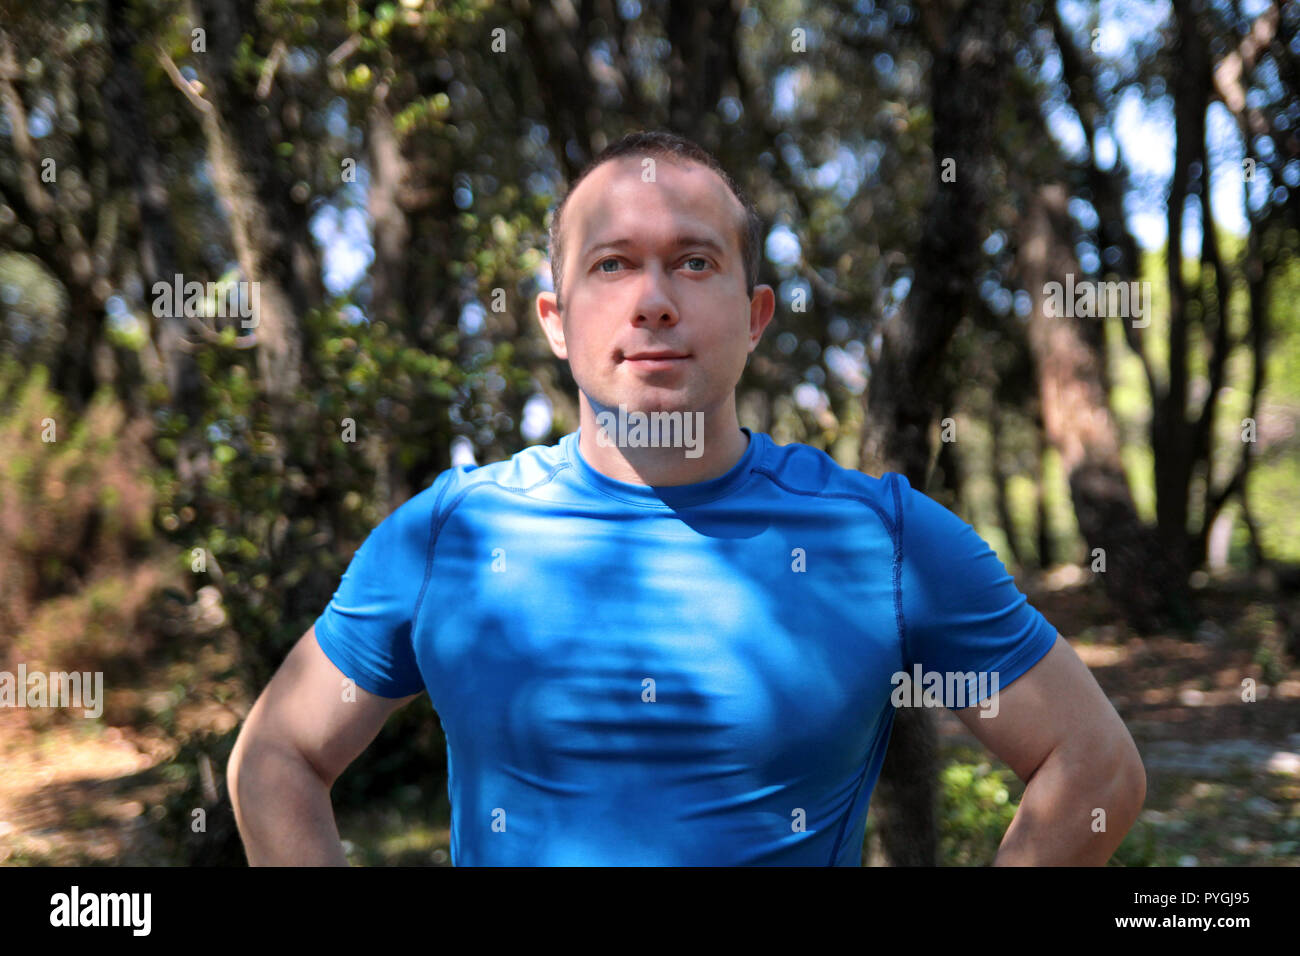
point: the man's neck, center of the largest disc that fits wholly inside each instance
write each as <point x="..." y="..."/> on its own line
<point x="714" y="444"/>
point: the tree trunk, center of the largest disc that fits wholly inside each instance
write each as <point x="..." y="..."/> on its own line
<point x="700" y="62"/>
<point x="142" y="174"/>
<point x="1078" y="423"/>
<point x="1172" y="439"/>
<point x="1000" y="481"/>
<point x="59" y="240"/>
<point x="269" y="227"/>
<point x="1046" y="552"/>
<point x="967" y="80"/>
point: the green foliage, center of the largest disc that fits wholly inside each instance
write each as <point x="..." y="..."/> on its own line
<point x="75" y="493"/>
<point x="975" y="811"/>
<point x="1139" y="847"/>
<point x="280" y="510"/>
<point x="405" y="768"/>
<point x="978" y="804"/>
<point x="197" y="777"/>
<point x="1276" y="473"/>
<point x="283" y="501"/>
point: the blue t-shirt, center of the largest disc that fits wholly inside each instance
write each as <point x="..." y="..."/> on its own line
<point x="689" y="675"/>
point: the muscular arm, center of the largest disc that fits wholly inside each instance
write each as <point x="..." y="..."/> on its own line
<point x="1057" y="731"/>
<point x="299" y="737"/>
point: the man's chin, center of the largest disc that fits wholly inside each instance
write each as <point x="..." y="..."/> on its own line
<point x="649" y="405"/>
<point x="644" y="400"/>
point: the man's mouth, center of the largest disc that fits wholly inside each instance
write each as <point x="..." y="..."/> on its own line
<point x="664" y="358"/>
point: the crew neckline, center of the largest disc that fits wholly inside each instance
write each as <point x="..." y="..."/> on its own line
<point x="670" y="496"/>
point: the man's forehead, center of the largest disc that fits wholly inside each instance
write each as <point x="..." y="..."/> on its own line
<point x="614" y="195"/>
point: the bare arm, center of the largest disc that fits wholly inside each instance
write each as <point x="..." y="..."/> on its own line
<point x="299" y="737"/>
<point x="1055" y="728"/>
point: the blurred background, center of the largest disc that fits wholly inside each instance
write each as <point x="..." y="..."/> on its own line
<point x="182" y="488"/>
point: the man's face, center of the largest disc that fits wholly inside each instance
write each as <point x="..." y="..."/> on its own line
<point x="655" y="312"/>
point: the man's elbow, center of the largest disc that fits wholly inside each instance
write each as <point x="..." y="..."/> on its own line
<point x="233" y="766"/>
<point x="1128" y="790"/>
<point x="1139" y="785"/>
<point x="241" y="771"/>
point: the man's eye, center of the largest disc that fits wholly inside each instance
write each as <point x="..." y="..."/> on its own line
<point x="605" y="262"/>
<point x="699" y="259"/>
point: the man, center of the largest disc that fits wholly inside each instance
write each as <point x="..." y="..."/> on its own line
<point x="666" y="639"/>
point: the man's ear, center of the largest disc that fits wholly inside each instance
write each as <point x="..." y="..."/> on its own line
<point x="548" y="314"/>
<point x="762" y="306"/>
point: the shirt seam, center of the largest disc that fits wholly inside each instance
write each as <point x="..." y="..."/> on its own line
<point x="664" y="508"/>
<point x="428" y="563"/>
<point x="862" y="499"/>
<point x="848" y="814"/>
<point x="900" y="617"/>
<point x="895" y="530"/>
<point x="857" y="790"/>
<point x="895" y="534"/>
<point x="1021" y="656"/>
<point x="742" y="481"/>
<point x="438" y="519"/>
<point x="369" y="680"/>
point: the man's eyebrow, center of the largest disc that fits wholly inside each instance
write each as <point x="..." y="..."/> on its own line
<point x="677" y="241"/>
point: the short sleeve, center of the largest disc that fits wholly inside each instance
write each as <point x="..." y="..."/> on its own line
<point x="961" y="610"/>
<point x="366" y="628"/>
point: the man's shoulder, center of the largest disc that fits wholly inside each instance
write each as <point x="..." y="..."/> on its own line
<point x="803" y="469"/>
<point x="523" y="470"/>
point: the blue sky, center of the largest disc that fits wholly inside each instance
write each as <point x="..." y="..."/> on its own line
<point x="1144" y="128"/>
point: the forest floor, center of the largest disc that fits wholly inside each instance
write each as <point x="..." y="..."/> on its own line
<point x="1223" y="774"/>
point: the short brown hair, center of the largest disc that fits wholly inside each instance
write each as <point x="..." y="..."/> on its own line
<point x="671" y="146"/>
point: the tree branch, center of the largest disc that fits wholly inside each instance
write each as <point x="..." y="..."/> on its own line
<point x="182" y="84"/>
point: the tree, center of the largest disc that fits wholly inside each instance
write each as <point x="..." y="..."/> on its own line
<point x="966" y="88"/>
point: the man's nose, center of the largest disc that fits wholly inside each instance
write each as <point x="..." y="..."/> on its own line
<point x="655" y="306"/>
